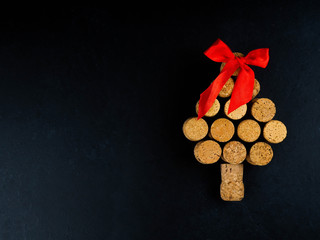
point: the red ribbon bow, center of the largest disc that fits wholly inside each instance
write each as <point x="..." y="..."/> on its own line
<point x="243" y="88"/>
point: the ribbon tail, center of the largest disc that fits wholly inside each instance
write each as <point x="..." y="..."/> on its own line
<point x="243" y="88"/>
<point x="208" y="97"/>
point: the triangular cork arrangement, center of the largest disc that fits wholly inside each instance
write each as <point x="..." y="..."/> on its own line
<point x="245" y="134"/>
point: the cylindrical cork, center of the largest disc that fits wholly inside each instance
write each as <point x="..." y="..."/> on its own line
<point x="236" y="114"/>
<point x="194" y="129"/>
<point x="249" y="130"/>
<point x="237" y="54"/>
<point x="227" y="89"/>
<point x="232" y="188"/>
<point x="263" y="109"/>
<point x="213" y="110"/>
<point x="260" y="154"/>
<point x="274" y="131"/>
<point x="207" y="152"/>
<point x="222" y="130"/>
<point x="256" y="88"/>
<point x="234" y="152"/>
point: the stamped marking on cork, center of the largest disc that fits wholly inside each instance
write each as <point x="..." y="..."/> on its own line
<point x="222" y="130"/>
<point x="194" y="129"/>
<point x="274" y="131"/>
<point x="232" y="187"/>
<point x="227" y="89"/>
<point x="237" y="54"/>
<point x="234" y="152"/>
<point x="236" y="114"/>
<point x="260" y="154"/>
<point x="207" y="152"/>
<point x="249" y="130"/>
<point x="256" y="88"/>
<point x="263" y="109"/>
<point x="213" y="110"/>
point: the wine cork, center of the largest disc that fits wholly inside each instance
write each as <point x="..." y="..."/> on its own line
<point x="207" y="152"/>
<point x="237" y="54"/>
<point x="213" y="110"/>
<point x="249" y="130"/>
<point x="222" y="130"/>
<point x="231" y="172"/>
<point x="274" y="131"/>
<point x="236" y="114"/>
<point x="260" y="154"/>
<point x="232" y="188"/>
<point x="263" y="109"/>
<point x="234" y="152"/>
<point x="194" y="129"/>
<point x="227" y="89"/>
<point x="256" y="88"/>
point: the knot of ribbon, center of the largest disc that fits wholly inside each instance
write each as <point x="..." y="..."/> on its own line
<point x="243" y="88"/>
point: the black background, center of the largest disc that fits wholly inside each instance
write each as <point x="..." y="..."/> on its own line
<point x="92" y="102"/>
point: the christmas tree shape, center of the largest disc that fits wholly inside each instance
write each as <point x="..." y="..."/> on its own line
<point x="243" y="134"/>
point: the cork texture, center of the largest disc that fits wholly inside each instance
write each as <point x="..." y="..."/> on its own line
<point x="249" y="130"/>
<point x="231" y="172"/>
<point x="207" y="152"/>
<point x="194" y="129"/>
<point x="234" y="152"/>
<point x="222" y="130"/>
<point x="227" y="89"/>
<point x="232" y="191"/>
<point x="232" y="187"/>
<point x="236" y="114"/>
<point x="263" y="109"/>
<point x="213" y="110"/>
<point x="237" y="54"/>
<point x="256" y="88"/>
<point x="260" y="154"/>
<point x="274" y="131"/>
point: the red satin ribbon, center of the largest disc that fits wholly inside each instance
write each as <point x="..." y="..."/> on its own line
<point x="243" y="88"/>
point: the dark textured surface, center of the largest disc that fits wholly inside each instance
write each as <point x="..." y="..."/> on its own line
<point x="92" y="103"/>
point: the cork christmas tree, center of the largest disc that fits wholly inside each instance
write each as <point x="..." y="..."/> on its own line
<point x="232" y="123"/>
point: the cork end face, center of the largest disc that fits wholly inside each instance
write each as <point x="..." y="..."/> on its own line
<point x="207" y="152"/>
<point x="212" y="111"/>
<point x="194" y="129"/>
<point x="249" y="130"/>
<point x="260" y="154"/>
<point x="222" y="130"/>
<point x="275" y="131"/>
<point x="263" y="109"/>
<point x="234" y="152"/>
<point x="236" y="114"/>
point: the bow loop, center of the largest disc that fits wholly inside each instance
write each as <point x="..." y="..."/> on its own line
<point x="243" y="88"/>
<point x="219" y="52"/>
<point x="258" y="57"/>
